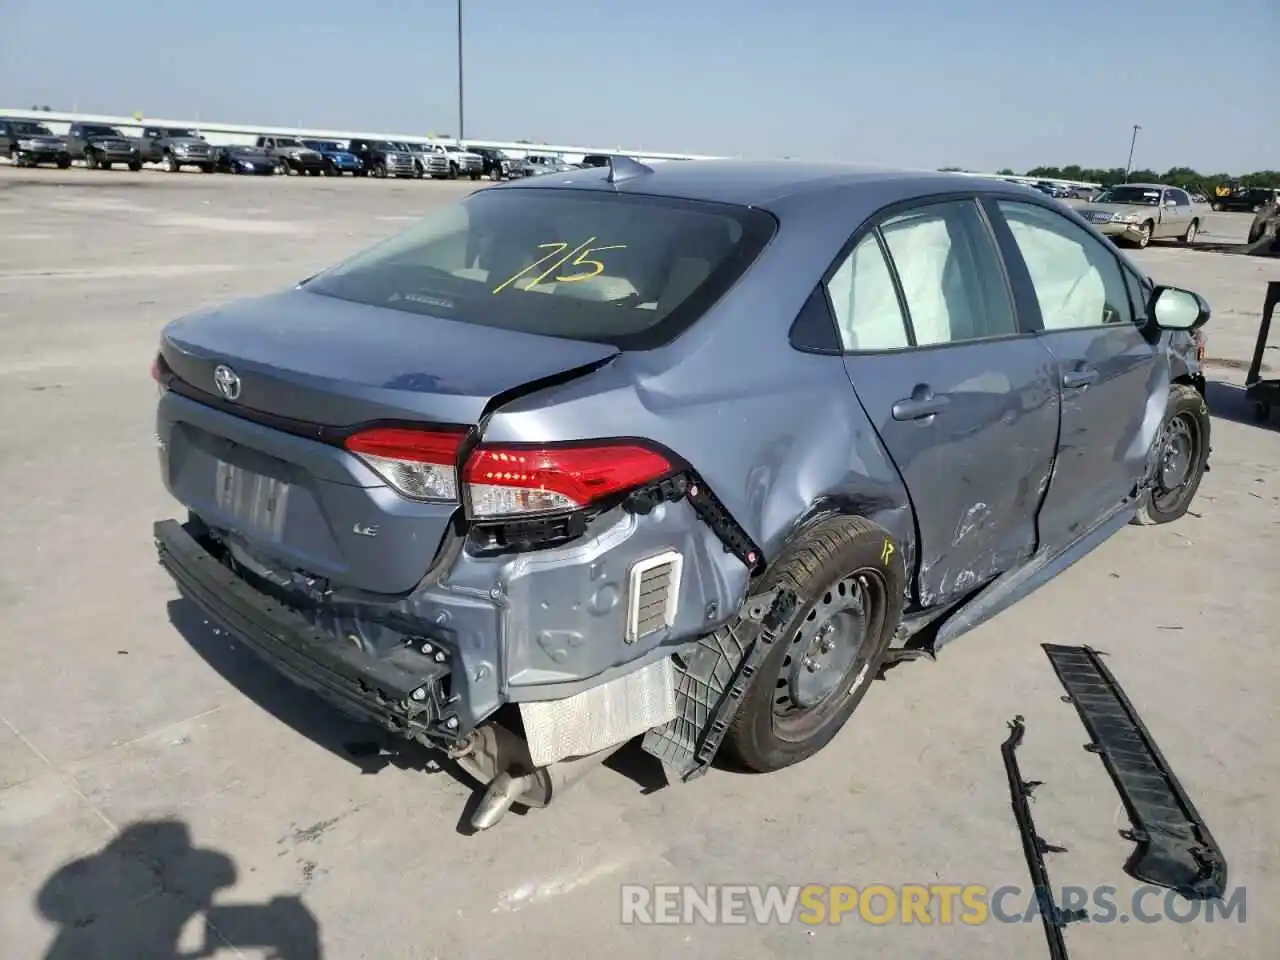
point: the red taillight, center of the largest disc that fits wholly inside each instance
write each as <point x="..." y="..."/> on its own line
<point x="504" y="481"/>
<point x="507" y="480"/>
<point x="421" y="464"/>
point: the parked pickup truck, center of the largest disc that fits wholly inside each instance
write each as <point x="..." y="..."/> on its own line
<point x="291" y="155"/>
<point x="101" y="146"/>
<point x="383" y="159"/>
<point x="176" y="147"/>
<point x="28" y="144"/>
<point x="338" y="158"/>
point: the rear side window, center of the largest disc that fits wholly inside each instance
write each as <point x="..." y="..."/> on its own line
<point x="950" y="272"/>
<point x="586" y="265"/>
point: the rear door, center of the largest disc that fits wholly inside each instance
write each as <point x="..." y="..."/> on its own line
<point x="1113" y="374"/>
<point x="963" y="398"/>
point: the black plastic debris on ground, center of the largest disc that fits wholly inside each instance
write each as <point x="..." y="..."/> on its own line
<point x="1175" y="848"/>
<point x="1034" y="847"/>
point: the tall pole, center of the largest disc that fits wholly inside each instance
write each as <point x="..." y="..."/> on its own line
<point x="1132" y="140"/>
<point x="460" y="115"/>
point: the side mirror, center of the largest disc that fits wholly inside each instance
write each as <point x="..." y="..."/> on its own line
<point x="1176" y="309"/>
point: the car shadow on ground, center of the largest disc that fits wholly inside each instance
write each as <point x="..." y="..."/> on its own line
<point x="150" y="889"/>
<point x="364" y="745"/>
<point x="1227" y="401"/>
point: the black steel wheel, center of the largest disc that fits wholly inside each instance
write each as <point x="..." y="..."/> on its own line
<point x="850" y="577"/>
<point x="1181" y="457"/>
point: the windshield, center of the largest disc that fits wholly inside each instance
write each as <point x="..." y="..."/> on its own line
<point x="32" y="129"/>
<point x="96" y="131"/>
<point x="1143" y="196"/>
<point x="324" y="145"/>
<point x="287" y="142"/>
<point x="191" y="134"/>
<point x="610" y="268"/>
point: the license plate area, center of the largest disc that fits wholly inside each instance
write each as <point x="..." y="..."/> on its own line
<point x="257" y="503"/>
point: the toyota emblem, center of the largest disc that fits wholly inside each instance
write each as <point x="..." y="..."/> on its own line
<point x="227" y="381"/>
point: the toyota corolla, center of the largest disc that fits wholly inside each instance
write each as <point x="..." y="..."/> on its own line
<point x="686" y="453"/>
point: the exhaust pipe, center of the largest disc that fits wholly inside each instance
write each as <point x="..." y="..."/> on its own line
<point x="500" y="758"/>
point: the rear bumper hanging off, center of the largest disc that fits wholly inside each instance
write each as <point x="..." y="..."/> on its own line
<point x="406" y="692"/>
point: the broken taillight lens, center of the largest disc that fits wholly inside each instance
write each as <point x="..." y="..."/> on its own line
<point x="504" y="481"/>
<point x="421" y="464"/>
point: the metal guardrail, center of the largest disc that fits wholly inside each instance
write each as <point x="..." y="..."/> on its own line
<point x="229" y="133"/>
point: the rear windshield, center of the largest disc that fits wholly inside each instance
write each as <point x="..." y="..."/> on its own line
<point x="582" y="264"/>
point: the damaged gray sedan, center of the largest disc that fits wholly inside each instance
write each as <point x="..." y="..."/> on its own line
<point x="688" y="453"/>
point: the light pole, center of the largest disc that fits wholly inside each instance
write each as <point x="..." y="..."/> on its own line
<point x="460" y="130"/>
<point x="1127" y="167"/>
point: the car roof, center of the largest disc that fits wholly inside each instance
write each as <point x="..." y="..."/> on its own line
<point x="752" y="182"/>
<point x="1148" y="186"/>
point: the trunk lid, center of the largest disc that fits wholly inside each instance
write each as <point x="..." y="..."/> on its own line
<point x="262" y="461"/>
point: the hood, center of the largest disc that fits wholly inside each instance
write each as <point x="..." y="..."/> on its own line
<point x="1112" y="208"/>
<point x="44" y="139"/>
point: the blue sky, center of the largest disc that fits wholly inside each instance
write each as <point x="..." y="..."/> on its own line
<point x="981" y="84"/>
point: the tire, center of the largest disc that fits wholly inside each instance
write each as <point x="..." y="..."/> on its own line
<point x="475" y="174"/>
<point x="283" y="168"/>
<point x="171" y="163"/>
<point x="1192" y="229"/>
<point x="453" y="171"/>
<point x="104" y="164"/>
<point x="827" y="568"/>
<point x="380" y="171"/>
<point x="90" y="160"/>
<point x="329" y="170"/>
<point x="63" y="161"/>
<point x="1144" y="238"/>
<point x="1178" y="475"/>
<point x="135" y="165"/>
<point x="207" y="168"/>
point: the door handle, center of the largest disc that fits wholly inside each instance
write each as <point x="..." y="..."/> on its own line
<point x="919" y="406"/>
<point x="1075" y="379"/>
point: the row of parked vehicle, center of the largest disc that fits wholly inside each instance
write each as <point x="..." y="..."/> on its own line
<point x="101" y="146"/>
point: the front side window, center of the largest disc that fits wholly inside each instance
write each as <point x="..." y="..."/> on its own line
<point x="584" y="265"/>
<point x="1077" y="280"/>
<point x="950" y="272"/>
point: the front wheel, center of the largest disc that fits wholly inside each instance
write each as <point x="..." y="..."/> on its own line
<point x="135" y="165"/>
<point x="63" y="161"/>
<point x="850" y="578"/>
<point x="208" y="168"/>
<point x="1181" y="455"/>
<point x="1192" y="229"/>
<point x="283" y="168"/>
<point x="1144" y="235"/>
<point x="171" y="163"/>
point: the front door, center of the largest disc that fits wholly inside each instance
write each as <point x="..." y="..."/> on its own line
<point x="1113" y="375"/>
<point x="964" y="401"/>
